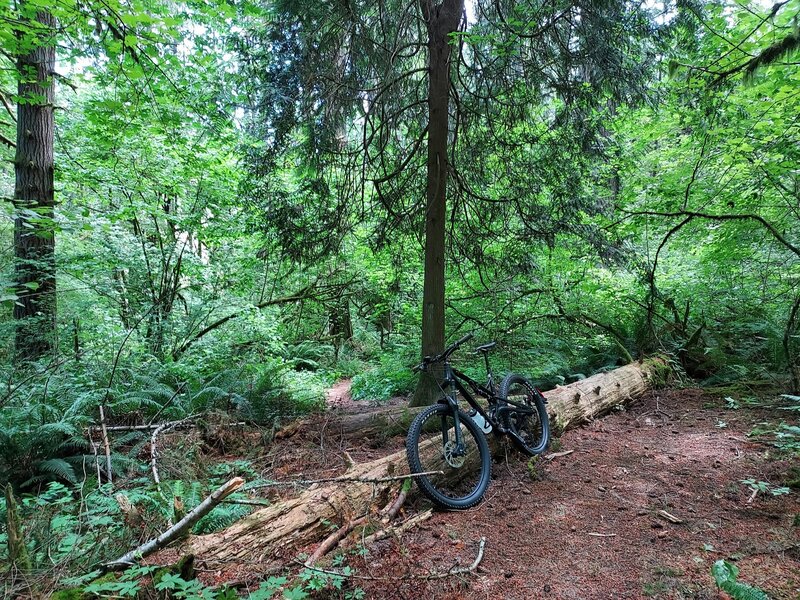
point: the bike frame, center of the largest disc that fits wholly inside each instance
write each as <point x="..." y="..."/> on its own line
<point x="453" y="379"/>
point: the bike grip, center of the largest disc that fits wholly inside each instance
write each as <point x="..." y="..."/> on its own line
<point x="464" y="339"/>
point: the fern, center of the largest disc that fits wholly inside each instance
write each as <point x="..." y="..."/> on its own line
<point x="221" y="517"/>
<point x="58" y="467"/>
<point x="725" y="575"/>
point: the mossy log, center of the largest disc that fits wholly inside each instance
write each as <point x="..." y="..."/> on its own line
<point x="275" y="534"/>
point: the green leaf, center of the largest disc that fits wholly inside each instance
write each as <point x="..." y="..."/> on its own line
<point x="295" y="593"/>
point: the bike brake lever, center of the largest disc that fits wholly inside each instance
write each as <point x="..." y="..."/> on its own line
<point x="423" y="366"/>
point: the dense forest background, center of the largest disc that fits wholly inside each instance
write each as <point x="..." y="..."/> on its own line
<point x="221" y="208"/>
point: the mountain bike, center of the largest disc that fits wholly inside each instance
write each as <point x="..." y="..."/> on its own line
<point x="448" y="446"/>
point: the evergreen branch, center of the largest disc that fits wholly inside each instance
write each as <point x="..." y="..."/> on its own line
<point x="766" y="57"/>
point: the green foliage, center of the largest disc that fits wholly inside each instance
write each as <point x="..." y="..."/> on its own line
<point x="765" y="487"/>
<point x="60" y="527"/>
<point x="312" y="583"/>
<point x="391" y="377"/>
<point x="725" y="575"/>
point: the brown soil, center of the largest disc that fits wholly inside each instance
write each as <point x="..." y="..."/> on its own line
<point x="587" y="524"/>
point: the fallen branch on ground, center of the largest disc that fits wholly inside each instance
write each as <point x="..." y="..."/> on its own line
<point x="272" y="536"/>
<point x="182" y="425"/>
<point x="163" y="428"/>
<point x="106" y="444"/>
<point x="398" y="529"/>
<point x="174" y="532"/>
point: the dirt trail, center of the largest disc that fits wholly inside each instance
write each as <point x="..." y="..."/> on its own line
<point x="587" y="525"/>
<point x="338" y="397"/>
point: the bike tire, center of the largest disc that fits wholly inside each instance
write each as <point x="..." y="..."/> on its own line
<point x="464" y="479"/>
<point x="533" y="429"/>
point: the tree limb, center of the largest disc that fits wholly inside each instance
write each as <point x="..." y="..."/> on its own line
<point x="726" y="217"/>
<point x="304" y="294"/>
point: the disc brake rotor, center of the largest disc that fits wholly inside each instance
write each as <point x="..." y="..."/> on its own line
<point x="454" y="461"/>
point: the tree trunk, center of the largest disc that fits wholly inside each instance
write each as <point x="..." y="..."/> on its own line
<point x="280" y="531"/>
<point x="34" y="242"/>
<point x="442" y="20"/>
<point x="790" y="346"/>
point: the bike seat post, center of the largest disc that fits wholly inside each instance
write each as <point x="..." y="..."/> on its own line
<point x="489" y="375"/>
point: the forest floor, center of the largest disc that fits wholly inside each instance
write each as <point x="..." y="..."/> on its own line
<point x="594" y="523"/>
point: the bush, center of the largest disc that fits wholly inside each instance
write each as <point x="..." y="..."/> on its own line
<point x="391" y="377"/>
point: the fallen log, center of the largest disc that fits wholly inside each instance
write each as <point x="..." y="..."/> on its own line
<point x="569" y="405"/>
<point x="276" y="534"/>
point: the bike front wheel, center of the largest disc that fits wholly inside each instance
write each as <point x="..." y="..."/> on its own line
<point x="527" y="416"/>
<point x="457" y="477"/>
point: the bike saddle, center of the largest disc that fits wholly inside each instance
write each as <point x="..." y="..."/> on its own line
<point x="486" y="347"/>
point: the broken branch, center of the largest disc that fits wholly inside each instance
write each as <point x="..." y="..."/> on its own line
<point x="174" y="532"/>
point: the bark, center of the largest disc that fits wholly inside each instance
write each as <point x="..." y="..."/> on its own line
<point x="615" y="388"/>
<point x="278" y="532"/>
<point x="375" y="425"/>
<point x="34" y="242"/>
<point x="17" y="551"/>
<point x="790" y="345"/>
<point x="442" y="19"/>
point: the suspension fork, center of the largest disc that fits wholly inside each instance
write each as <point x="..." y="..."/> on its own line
<point x="459" y="449"/>
<point x="450" y="400"/>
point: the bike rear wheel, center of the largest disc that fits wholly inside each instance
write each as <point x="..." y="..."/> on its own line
<point x="532" y="425"/>
<point x="431" y="446"/>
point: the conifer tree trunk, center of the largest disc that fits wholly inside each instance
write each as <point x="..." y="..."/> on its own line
<point x="442" y="19"/>
<point x="34" y="243"/>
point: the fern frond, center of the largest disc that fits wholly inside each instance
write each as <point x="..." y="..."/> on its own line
<point x="48" y="430"/>
<point x="221" y="517"/>
<point x="58" y="467"/>
<point x="207" y="396"/>
<point x="725" y="575"/>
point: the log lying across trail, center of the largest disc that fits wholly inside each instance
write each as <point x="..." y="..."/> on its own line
<point x="272" y="535"/>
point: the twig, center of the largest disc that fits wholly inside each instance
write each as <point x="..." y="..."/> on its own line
<point x="553" y="455"/>
<point x="105" y="443"/>
<point x="114" y="428"/>
<point x="398" y="529"/>
<point x="670" y="517"/>
<point x="168" y="402"/>
<point x="132" y="557"/>
<point x="593" y="534"/>
<point x="343" y="480"/>
<point x="93" y="444"/>
<point x="332" y="540"/>
<point x="390" y="512"/>
<point x="163" y="428"/>
<point x="472" y="567"/>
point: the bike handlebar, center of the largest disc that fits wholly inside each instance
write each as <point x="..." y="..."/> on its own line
<point x="443" y="356"/>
